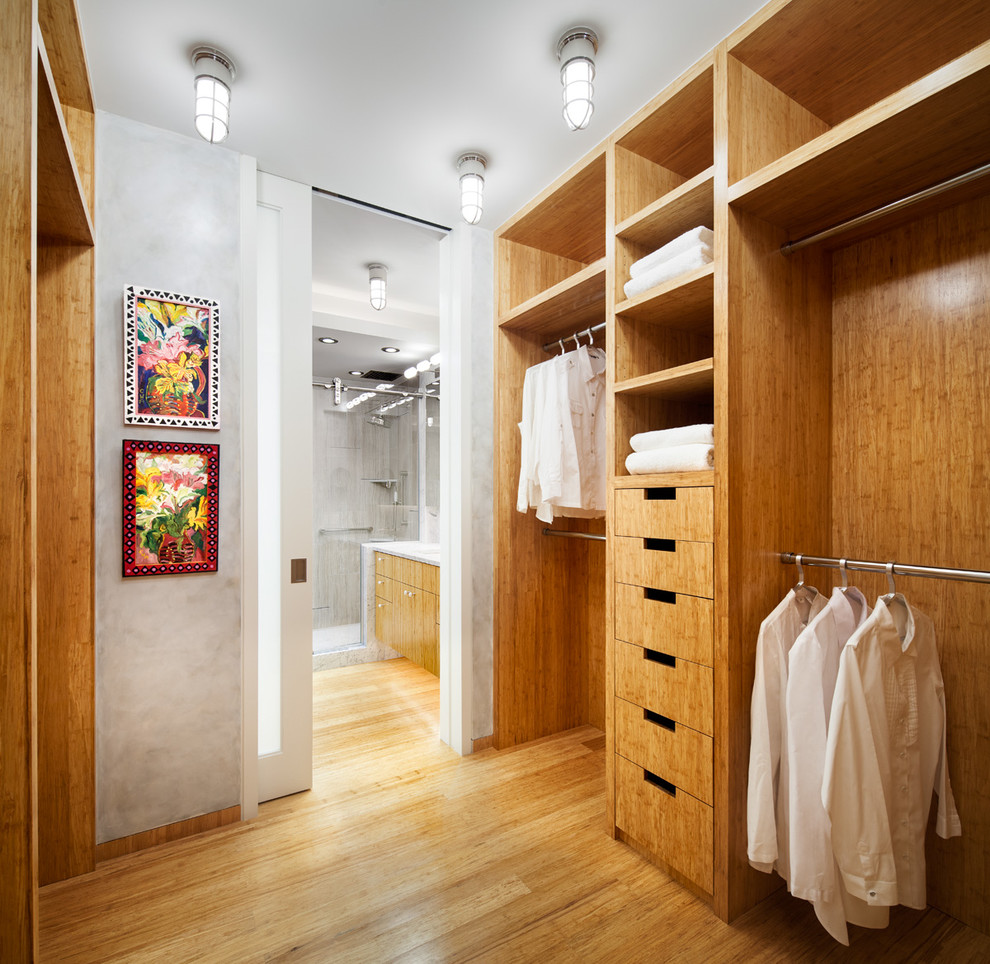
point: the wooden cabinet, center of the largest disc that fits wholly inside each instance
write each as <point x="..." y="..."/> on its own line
<point x="845" y="378"/>
<point x="407" y="608"/>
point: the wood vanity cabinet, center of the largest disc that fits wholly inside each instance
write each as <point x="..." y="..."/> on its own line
<point x="406" y="608"/>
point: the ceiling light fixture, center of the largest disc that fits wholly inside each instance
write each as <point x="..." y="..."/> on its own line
<point x="214" y="76"/>
<point x="355" y="373"/>
<point x="378" y="279"/>
<point x="390" y="349"/>
<point x="471" y="167"/>
<point x="576" y="51"/>
<point x="327" y="341"/>
<point x="410" y="372"/>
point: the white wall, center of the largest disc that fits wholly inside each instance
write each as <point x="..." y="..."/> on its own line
<point x="168" y="700"/>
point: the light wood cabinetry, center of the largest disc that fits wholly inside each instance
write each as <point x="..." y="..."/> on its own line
<point x="406" y="608"/>
<point x="47" y="830"/>
<point x="846" y="382"/>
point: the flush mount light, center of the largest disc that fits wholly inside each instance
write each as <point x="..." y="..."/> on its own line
<point x="435" y="360"/>
<point x="471" y="167"/>
<point x="390" y="349"/>
<point x="377" y="280"/>
<point x="576" y="51"/>
<point x="410" y="372"/>
<point x="214" y="76"/>
<point x="355" y="373"/>
<point x="327" y="341"/>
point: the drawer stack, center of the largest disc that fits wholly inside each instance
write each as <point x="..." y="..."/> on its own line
<point x="663" y="696"/>
<point x="406" y="608"/>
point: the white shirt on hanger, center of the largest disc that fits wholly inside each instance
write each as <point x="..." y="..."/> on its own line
<point x="813" y="666"/>
<point x="885" y="754"/>
<point x="767" y="797"/>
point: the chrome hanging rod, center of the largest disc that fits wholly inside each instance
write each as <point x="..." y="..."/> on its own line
<point x="568" y="534"/>
<point x="375" y="391"/>
<point x="789" y="247"/>
<point x="899" y="569"/>
<point x="559" y="344"/>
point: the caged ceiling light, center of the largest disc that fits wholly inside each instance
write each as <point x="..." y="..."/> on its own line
<point x="214" y="76"/>
<point x="378" y="280"/>
<point x="576" y="51"/>
<point x="471" y="167"/>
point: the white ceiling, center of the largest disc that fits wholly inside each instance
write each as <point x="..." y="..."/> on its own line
<point x="375" y="99"/>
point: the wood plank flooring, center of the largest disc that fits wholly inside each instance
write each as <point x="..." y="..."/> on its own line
<point x="404" y="851"/>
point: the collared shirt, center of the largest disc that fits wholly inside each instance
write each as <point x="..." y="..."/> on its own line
<point x="767" y="798"/>
<point x="885" y="754"/>
<point x="813" y="667"/>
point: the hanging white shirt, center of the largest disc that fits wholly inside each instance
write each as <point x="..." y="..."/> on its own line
<point x="885" y="754"/>
<point x="767" y="797"/>
<point x="813" y="666"/>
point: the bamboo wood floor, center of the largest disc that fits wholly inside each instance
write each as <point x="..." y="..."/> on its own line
<point x="404" y="851"/>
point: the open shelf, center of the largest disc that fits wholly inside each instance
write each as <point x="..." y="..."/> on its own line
<point x="686" y="207"/>
<point x="664" y="480"/>
<point x="63" y="216"/>
<point x="686" y="302"/>
<point x="571" y="305"/>
<point x="693" y="380"/>
<point x="62" y="33"/>
<point x="935" y="129"/>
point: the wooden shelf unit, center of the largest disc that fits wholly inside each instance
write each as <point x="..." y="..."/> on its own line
<point x="572" y="304"/>
<point x="847" y="421"/>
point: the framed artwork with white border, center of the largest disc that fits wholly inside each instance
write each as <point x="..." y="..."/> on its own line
<point x="171" y="359"/>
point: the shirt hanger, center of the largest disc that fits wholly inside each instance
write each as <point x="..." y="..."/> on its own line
<point x="805" y="595"/>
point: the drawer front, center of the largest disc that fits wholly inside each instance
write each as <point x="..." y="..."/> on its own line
<point x="675" y="688"/>
<point x="385" y="564"/>
<point x="384" y="587"/>
<point x="668" y="513"/>
<point x="385" y="622"/>
<point x="673" y="825"/>
<point x="658" y="619"/>
<point x="679" y="754"/>
<point x="430" y="578"/>
<point x="682" y="567"/>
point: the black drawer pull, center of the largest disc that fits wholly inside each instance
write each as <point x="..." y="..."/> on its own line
<point x="667" y="788"/>
<point x="663" y="658"/>
<point x="665" y="721"/>
<point x="660" y="545"/>
<point x="661" y="595"/>
<point x="662" y="495"/>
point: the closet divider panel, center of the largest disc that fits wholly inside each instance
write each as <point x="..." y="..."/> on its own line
<point x="911" y="479"/>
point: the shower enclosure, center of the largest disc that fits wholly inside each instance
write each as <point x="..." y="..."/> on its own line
<point x="376" y="478"/>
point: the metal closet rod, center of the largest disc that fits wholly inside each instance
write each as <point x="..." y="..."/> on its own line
<point x="899" y="569"/>
<point x="559" y="343"/>
<point x="568" y="534"/>
<point x="789" y="247"/>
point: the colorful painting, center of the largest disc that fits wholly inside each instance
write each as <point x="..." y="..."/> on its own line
<point x="171" y="359"/>
<point x="171" y="504"/>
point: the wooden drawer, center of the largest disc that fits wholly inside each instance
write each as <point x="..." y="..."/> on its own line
<point x="675" y="688"/>
<point x="385" y="622"/>
<point x="418" y="575"/>
<point x="681" y="755"/>
<point x="666" y="513"/>
<point x="659" y="619"/>
<point x="385" y="564"/>
<point x="674" y="825"/>
<point x="681" y="567"/>
<point x="430" y="578"/>
<point x="384" y="587"/>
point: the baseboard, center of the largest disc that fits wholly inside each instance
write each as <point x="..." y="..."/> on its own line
<point x="482" y="743"/>
<point x="171" y="831"/>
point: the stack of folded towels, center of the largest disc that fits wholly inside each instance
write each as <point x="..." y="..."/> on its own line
<point x="689" y="448"/>
<point x="691" y="250"/>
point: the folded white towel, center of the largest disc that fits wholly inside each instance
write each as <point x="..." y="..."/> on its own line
<point x="680" y="244"/>
<point x="674" y="458"/>
<point x="682" y="435"/>
<point x="695" y="257"/>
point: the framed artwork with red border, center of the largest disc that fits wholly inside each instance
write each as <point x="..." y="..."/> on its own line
<point x="171" y="507"/>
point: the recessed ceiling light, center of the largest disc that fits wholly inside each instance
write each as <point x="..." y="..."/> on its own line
<point x="328" y="341"/>
<point x="355" y="373"/>
<point x="390" y="349"/>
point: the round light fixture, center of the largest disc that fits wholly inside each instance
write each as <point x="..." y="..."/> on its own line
<point x="327" y="341"/>
<point x="390" y="349"/>
<point x="355" y="373"/>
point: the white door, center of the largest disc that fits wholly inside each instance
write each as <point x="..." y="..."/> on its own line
<point x="281" y="391"/>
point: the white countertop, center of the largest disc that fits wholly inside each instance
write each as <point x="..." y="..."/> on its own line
<point x="428" y="552"/>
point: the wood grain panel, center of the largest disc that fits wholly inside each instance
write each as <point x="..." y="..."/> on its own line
<point x="110" y="849"/>
<point x="385" y="588"/>
<point x="775" y="125"/>
<point x="81" y="128"/>
<point x="572" y="304"/>
<point x="66" y="632"/>
<point x="385" y="622"/>
<point x="684" y="567"/>
<point x="385" y="564"/>
<point x="682" y="692"/>
<point x="676" y="828"/>
<point x="62" y="33"/>
<point x="683" y="302"/>
<point x="682" y="514"/>
<point x="646" y="413"/>
<point x="642" y="348"/>
<point x="531" y="280"/>
<point x="640" y="182"/>
<point x="18" y="826"/>
<point x="681" y="627"/>
<point x="680" y="755"/>
<point x="685" y="207"/>
<point x="911" y="436"/>
<point x="838" y="58"/>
